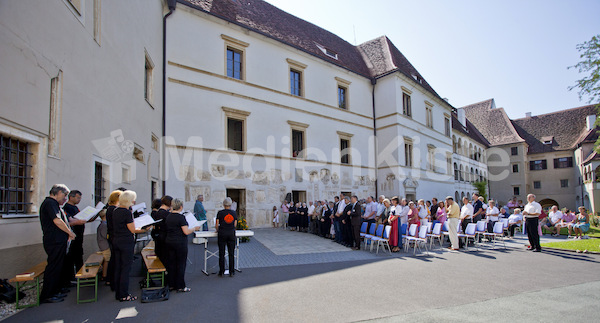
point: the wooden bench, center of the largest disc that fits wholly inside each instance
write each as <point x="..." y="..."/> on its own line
<point x="31" y="276"/>
<point x="87" y="276"/>
<point x="155" y="267"/>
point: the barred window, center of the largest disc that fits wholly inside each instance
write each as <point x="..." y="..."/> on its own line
<point x="15" y="172"/>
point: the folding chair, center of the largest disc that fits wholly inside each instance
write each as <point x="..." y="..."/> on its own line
<point x="504" y="225"/>
<point x="363" y="229"/>
<point x="385" y="239"/>
<point x="420" y="239"/>
<point x="436" y="233"/>
<point x="497" y="234"/>
<point x="370" y="235"/>
<point x="378" y="234"/>
<point x="480" y="229"/>
<point x="429" y="227"/>
<point x="469" y="234"/>
<point x="412" y="232"/>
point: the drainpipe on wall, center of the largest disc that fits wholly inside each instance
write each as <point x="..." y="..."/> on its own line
<point x="171" y="4"/>
<point x="373" y="82"/>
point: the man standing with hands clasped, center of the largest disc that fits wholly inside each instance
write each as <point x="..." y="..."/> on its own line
<point x="56" y="234"/>
<point x="531" y="213"/>
<point x="355" y="220"/>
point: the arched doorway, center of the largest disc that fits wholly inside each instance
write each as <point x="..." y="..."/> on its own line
<point x="546" y="203"/>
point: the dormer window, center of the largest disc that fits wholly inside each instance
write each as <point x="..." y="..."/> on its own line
<point x="327" y="51"/>
<point x="548" y="140"/>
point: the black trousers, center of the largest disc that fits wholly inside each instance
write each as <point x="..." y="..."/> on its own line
<point x="52" y="275"/>
<point x="531" y="225"/>
<point x="73" y="261"/>
<point x="226" y="239"/>
<point x="356" y="223"/>
<point x="464" y="224"/>
<point x="490" y="226"/>
<point x="348" y="236"/>
<point x="123" y="249"/>
<point x="325" y="227"/>
<point x="512" y="228"/>
<point x="110" y="271"/>
<point x="177" y="253"/>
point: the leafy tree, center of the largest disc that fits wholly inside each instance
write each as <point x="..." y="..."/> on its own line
<point x="481" y="189"/>
<point x="589" y="85"/>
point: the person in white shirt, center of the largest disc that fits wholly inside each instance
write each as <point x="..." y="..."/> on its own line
<point x="423" y="212"/>
<point x="466" y="216"/>
<point x="370" y="212"/>
<point x="403" y="211"/>
<point x="531" y="213"/>
<point x="514" y="221"/>
<point x="380" y="208"/>
<point x="492" y="215"/>
<point x="554" y="217"/>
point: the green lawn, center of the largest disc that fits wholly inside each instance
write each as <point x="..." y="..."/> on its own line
<point x="589" y="244"/>
<point x="593" y="232"/>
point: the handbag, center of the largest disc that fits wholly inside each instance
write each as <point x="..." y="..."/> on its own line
<point x="8" y="293"/>
<point x="155" y="294"/>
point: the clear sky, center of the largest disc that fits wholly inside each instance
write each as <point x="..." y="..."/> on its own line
<point x="516" y="52"/>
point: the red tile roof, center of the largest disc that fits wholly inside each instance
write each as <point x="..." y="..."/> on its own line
<point x="370" y="59"/>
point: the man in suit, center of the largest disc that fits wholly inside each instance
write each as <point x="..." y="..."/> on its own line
<point x="346" y="225"/>
<point x="354" y="215"/>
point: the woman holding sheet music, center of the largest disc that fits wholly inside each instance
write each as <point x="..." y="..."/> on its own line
<point x="177" y="246"/>
<point x="123" y="244"/>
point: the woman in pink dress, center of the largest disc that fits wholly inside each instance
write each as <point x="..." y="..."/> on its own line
<point x="413" y="216"/>
<point x="440" y="214"/>
<point x="395" y="211"/>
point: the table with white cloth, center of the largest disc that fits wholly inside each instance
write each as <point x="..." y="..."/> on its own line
<point x="201" y="237"/>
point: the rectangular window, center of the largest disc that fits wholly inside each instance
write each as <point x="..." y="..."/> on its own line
<point x="537" y="184"/>
<point x="406" y="109"/>
<point x="564" y="183"/>
<point x="514" y="151"/>
<point x="154" y="139"/>
<point x="295" y="82"/>
<point x="99" y="183"/>
<point x="564" y="162"/>
<point x="234" y="63"/>
<point x="345" y="151"/>
<point x="408" y="155"/>
<point x="429" y="117"/>
<point x="125" y="174"/>
<point x="15" y="175"/>
<point x="447" y="126"/>
<point x="515" y="168"/>
<point x="148" y="71"/>
<point x="235" y="134"/>
<point x="342" y="97"/>
<point x="297" y="143"/>
<point x="538" y="164"/>
<point x="153" y="190"/>
<point x="516" y="191"/>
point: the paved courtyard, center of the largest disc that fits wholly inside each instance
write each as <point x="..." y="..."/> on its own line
<point x="298" y="277"/>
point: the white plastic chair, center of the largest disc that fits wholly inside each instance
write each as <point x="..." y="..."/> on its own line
<point x="412" y="232"/>
<point x="420" y="239"/>
<point x="480" y="229"/>
<point x="497" y="234"/>
<point x="436" y="233"/>
<point x="470" y="233"/>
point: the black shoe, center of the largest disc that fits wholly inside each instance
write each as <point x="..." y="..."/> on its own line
<point x="231" y="274"/>
<point x="537" y="250"/>
<point x="60" y="295"/>
<point x="53" y="300"/>
<point x="220" y="274"/>
<point x="64" y="290"/>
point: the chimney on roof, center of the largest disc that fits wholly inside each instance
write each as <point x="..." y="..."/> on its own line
<point x="590" y="121"/>
<point x="461" y="116"/>
<point x="527" y="114"/>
